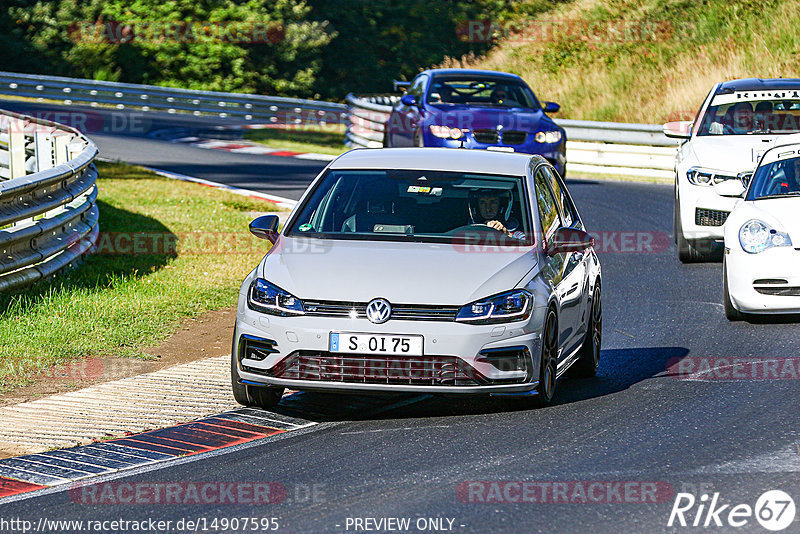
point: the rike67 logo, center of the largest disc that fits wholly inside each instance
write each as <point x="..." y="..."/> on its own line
<point x="774" y="510"/>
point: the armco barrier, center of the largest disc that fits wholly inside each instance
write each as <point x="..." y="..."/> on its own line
<point x="48" y="210"/>
<point x="598" y="147"/>
<point x="256" y="108"/>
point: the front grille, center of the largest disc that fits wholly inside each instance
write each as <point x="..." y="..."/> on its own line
<point x="362" y="369"/>
<point x="514" y="137"/>
<point x="358" y="310"/>
<point x="779" y="291"/>
<point x="486" y="136"/>
<point x="706" y="217"/>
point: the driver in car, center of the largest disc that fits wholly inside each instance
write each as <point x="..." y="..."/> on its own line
<point x="493" y="208"/>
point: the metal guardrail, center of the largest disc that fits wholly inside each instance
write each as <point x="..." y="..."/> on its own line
<point x="599" y="147"/>
<point x="171" y="100"/>
<point x="48" y="211"/>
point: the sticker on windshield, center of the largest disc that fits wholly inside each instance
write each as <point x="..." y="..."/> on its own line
<point x="424" y="190"/>
<point x="305" y="227"/>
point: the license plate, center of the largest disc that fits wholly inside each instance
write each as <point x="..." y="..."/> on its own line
<point x="500" y="148"/>
<point x="395" y="345"/>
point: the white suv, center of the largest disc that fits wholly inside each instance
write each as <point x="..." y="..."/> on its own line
<point x="738" y="121"/>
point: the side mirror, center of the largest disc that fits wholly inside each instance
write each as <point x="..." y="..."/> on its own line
<point x="265" y="227"/>
<point x="569" y="240"/>
<point x="730" y="188"/>
<point x="745" y="177"/>
<point x="551" y="107"/>
<point x="678" y="129"/>
<point x="408" y="100"/>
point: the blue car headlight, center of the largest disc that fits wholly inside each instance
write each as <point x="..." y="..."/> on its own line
<point x="503" y="308"/>
<point x="445" y="132"/>
<point x="756" y="236"/>
<point x="269" y="298"/>
<point x="548" y="137"/>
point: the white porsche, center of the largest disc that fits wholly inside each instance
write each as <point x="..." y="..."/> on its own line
<point x="761" y="264"/>
<point x="737" y="123"/>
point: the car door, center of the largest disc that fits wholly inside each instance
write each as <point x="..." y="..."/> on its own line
<point x="406" y="119"/>
<point x="576" y="298"/>
<point x="554" y="265"/>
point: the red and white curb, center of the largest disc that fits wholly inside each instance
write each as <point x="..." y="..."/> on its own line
<point x="244" y="147"/>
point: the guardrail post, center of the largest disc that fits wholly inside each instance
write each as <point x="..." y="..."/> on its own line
<point x="16" y="149"/>
<point x="62" y="148"/>
<point x="43" y="145"/>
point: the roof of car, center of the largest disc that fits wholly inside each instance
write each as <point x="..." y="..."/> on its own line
<point x="470" y="72"/>
<point x="759" y="84"/>
<point x="435" y="159"/>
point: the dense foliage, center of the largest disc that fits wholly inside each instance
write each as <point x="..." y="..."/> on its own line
<point x="305" y="48"/>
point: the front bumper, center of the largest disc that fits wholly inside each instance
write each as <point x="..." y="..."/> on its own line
<point x="295" y="337"/>
<point x="713" y="209"/>
<point x="754" y="280"/>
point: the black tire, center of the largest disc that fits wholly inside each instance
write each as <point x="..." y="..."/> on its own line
<point x="261" y="397"/>
<point x="546" y="389"/>
<point x="589" y="359"/>
<point x="730" y="311"/>
<point x="687" y="251"/>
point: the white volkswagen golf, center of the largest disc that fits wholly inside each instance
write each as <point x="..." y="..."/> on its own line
<point x="422" y="270"/>
<point x="738" y="121"/>
<point x="762" y="239"/>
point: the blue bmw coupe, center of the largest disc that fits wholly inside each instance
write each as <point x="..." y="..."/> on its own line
<point x="476" y="109"/>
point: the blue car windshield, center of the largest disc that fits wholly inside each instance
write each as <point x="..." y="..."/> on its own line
<point x="777" y="179"/>
<point x="505" y="93"/>
<point x="416" y="205"/>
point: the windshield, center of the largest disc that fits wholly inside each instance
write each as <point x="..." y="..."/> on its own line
<point x="413" y="205"/>
<point x="755" y="117"/>
<point x="776" y="179"/>
<point x="482" y="92"/>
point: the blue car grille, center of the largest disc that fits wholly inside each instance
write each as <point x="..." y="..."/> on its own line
<point x="486" y="136"/>
<point x="514" y="137"/>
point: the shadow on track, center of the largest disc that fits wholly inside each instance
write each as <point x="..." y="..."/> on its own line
<point x="619" y="370"/>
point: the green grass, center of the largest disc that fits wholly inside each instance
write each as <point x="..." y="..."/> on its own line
<point x="646" y="60"/>
<point x="117" y="304"/>
<point x="327" y="139"/>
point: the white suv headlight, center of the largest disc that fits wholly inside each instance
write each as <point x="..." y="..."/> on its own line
<point x="756" y="236"/>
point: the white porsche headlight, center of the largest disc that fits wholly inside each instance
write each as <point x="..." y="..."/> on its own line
<point x="756" y="236"/>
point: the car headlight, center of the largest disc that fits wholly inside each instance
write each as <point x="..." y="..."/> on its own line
<point x="269" y="298"/>
<point x="548" y="137"/>
<point x="699" y="176"/>
<point x="756" y="236"/>
<point x="445" y="132"/>
<point x="505" y="307"/>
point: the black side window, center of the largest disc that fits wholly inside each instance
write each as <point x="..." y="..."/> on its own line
<point x="562" y="198"/>
<point x="418" y="86"/>
<point x="548" y="212"/>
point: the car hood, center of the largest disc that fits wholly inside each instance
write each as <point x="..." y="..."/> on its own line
<point x="408" y="273"/>
<point x="474" y="118"/>
<point x="731" y="153"/>
<point x="783" y="214"/>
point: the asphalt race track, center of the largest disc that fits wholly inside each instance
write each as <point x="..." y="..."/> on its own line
<point x="637" y="422"/>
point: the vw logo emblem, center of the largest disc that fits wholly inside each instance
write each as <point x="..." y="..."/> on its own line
<point x="379" y="311"/>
